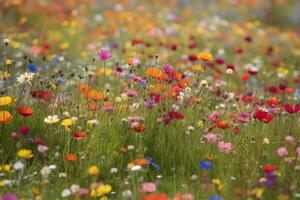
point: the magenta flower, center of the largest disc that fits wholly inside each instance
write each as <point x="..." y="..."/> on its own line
<point x="104" y="55"/>
<point x="215" y="116"/>
<point x="24" y="130"/>
<point x="282" y="151"/>
<point x="225" y="147"/>
<point x="148" y="187"/>
<point x="9" y="196"/>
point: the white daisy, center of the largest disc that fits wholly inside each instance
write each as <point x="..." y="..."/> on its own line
<point x="25" y="77"/>
<point x="51" y="119"/>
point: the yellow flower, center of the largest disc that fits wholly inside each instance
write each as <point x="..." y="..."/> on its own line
<point x="197" y="68"/>
<point x="2" y="184"/>
<point x="104" y="198"/>
<point x="94" y="170"/>
<point x="25" y="153"/>
<point x="258" y="192"/>
<point x="5" y="101"/>
<point x="200" y="124"/>
<point x="205" y="56"/>
<point x="104" y="189"/>
<point x="220" y="187"/>
<point x="5" y="117"/>
<point x="8" y="62"/>
<point x="7" y="168"/>
<point x="6" y="75"/>
<point x="67" y="123"/>
<point x="216" y="181"/>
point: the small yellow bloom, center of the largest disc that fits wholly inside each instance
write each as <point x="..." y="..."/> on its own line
<point x="104" y="198"/>
<point x="25" y="153"/>
<point x="104" y="189"/>
<point x="220" y="187"/>
<point x="6" y="75"/>
<point x="2" y="184"/>
<point x="216" y="181"/>
<point x="197" y="68"/>
<point x="93" y="170"/>
<point x="8" y="62"/>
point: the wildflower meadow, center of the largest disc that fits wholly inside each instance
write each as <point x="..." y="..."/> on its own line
<point x="150" y="100"/>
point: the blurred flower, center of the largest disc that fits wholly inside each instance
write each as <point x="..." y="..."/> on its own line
<point x="93" y="170"/>
<point x="25" y="154"/>
<point x="104" y="55"/>
<point x="25" y="77"/>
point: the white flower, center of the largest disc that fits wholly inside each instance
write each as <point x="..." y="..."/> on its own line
<point x="45" y="171"/>
<point x="130" y="147"/>
<point x="25" y="78"/>
<point x="66" y="192"/>
<point x="126" y="193"/>
<point x="118" y="99"/>
<point x="266" y="141"/>
<point x="136" y="168"/>
<point x="113" y="170"/>
<point x="19" y="165"/>
<point x="51" y="119"/>
<point x="75" y="188"/>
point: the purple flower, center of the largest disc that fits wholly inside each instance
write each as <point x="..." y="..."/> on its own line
<point x="168" y="69"/>
<point x="104" y="55"/>
<point x="9" y="196"/>
<point x="24" y="130"/>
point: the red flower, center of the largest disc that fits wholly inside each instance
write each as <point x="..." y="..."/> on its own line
<point x="155" y="97"/>
<point x="159" y="196"/>
<point x="25" y="111"/>
<point x="79" y="135"/>
<point x="263" y="116"/>
<point x="292" y="109"/>
<point x="40" y="94"/>
<point x="269" y="168"/>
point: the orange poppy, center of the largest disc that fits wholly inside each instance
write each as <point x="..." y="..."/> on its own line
<point x="153" y="72"/>
<point x="223" y="124"/>
<point x="24" y="111"/>
<point x="83" y="87"/>
<point x="94" y="95"/>
<point x="93" y="106"/>
<point x="159" y="196"/>
<point x="71" y="157"/>
<point x="183" y="82"/>
<point x="142" y="162"/>
<point x="289" y="90"/>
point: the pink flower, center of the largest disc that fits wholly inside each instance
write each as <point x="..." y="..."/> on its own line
<point x="148" y="187"/>
<point x="289" y="139"/>
<point x="42" y="149"/>
<point x="104" y="55"/>
<point x="243" y="117"/>
<point x="215" y="116"/>
<point x="225" y="147"/>
<point x="282" y="151"/>
<point x="298" y="151"/>
<point x="24" y="130"/>
<point x="210" y="137"/>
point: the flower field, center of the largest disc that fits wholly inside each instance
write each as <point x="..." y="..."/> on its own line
<point x="150" y="100"/>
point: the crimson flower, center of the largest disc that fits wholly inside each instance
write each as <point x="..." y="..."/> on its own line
<point x="263" y="116"/>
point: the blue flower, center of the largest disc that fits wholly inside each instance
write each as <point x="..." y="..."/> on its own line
<point x="205" y="164"/>
<point x="60" y="80"/>
<point x="151" y="163"/>
<point x="215" y="198"/>
<point x="32" y="68"/>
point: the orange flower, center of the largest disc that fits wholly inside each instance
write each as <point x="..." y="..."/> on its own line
<point x="289" y="90"/>
<point x="205" y="56"/>
<point x="71" y="157"/>
<point x="25" y="111"/>
<point x="142" y="162"/>
<point x="153" y="72"/>
<point x="223" y="124"/>
<point x="93" y="106"/>
<point x="159" y="196"/>
<point x="140" y="128"/>
<point x="5" y="117"/>
<point x="123" y="149"/>
<point x="83" y="87"/>
<point x="94" y="95"/>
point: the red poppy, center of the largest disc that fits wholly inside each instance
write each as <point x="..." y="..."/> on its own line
<point x="272" y="102"/>
<point x="139" y="128"/>
<point x="24" y="111"/>
<point x="79" y="135"/>
<point x="269" y="168"/>
<point x="263" y="116"/>
<point x="40" y="94"/>
<point x="292" y="109"/>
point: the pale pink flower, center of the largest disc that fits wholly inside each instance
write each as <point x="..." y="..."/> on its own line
<point x="289" y="139"/>
<point x="42" y="149"/>
<point x="210" y="137"/>
<point x="225" y="147"/>
<point x="148" y="187"/>
<point x="282" y="151"/>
